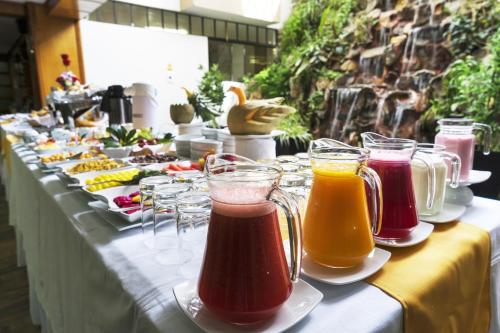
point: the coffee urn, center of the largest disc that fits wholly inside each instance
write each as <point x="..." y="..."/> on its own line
<point x="117" y="105"/>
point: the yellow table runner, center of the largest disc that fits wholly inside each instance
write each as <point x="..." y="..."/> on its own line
<point x="443" y="283"/>
<point x="7" y="150"/>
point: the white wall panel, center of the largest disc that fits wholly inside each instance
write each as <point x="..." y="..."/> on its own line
<point x="116" y="54"/>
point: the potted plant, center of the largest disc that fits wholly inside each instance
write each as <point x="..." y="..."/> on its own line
<point x="294" y="138"/>
<point x="207" y="100"/>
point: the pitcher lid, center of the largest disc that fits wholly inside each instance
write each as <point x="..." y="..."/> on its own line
<point x="376" y="141"/>
<point x="455" y="122"/>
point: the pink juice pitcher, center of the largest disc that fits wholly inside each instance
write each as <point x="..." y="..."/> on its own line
<point x="391" y="159"/>
<point x="458" y="138"/>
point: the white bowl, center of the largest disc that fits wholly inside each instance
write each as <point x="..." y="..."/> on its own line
<point x="118" y="152"/>
<point x="188" y="137"/>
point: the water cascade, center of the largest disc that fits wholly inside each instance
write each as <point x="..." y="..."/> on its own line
<point x="398" y="117"/>
<point x="386" y="84"/>
<point x="410" y="49"/>
<point x="380" y="111"/>
<point x="346" y="99"/>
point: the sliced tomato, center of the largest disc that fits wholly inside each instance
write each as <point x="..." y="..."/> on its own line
<point x="174" y="167"/>
<point x="195" y="166"/>
<point x="185" y="167"/>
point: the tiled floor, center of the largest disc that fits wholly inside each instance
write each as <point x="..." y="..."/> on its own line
<point x="14" y="293"/>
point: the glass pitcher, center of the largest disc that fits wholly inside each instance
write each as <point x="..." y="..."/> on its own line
<point x="438" y="156"/>
<point x="244" y="277"/>
<point x="458" y="138"/>
<point x="337" y="228"/>
<point x="391" y="159"/>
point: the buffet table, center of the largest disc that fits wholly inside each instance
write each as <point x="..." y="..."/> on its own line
<point x="85" y="276"/>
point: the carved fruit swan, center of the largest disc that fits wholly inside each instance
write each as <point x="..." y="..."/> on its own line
<point x="255" y="117"/>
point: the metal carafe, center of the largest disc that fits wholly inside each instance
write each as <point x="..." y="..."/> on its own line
<point x="117" y="105"/>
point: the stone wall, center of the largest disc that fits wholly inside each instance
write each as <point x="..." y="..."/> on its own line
<point x="389" y="80"/>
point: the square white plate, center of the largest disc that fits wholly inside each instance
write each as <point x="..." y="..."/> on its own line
<point x="449" y="213"/>
<point x="67" y="166"/>
<point x="339" y="276"/>
<point x="107" y="195"/>
<point x="303" y="300"/>
<point x="421" y="232"/>
<point x="81" y="178"/>
<point x="113" y="219"/>
<point x="476" y="177"/>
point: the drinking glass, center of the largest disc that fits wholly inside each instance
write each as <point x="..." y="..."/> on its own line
<point x="302" y="156"/>
<point x="295" y="185"/>
<point x="146" y="187"/>
<point x="189" y="177"/>
<point x="200" y="185"/>
<point x="287" y="159"/>
<point x="304" y="164"/>
<point x="164" y="218"/>
<point x="289" y="167"/>
<point x="193" y="215"/>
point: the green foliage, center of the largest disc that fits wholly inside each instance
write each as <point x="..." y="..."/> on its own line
<point x="203" y="107"/>
<point x="315" y="100"/>
<point x="471" y="28"/>
<point x="313" y="38"/>
<point x="271" y="82"/>
<point x="207" y="101"/>
<point x="301" y="25"/>
<point x="472" y="89"/>
<point x="294" y="130"/>
<point x="211" y="85"/>
<point x="362" y="29"/>
<point x="120" y="137"/>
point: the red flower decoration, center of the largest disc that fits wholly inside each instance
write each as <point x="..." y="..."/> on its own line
<point x="65" y="59"/>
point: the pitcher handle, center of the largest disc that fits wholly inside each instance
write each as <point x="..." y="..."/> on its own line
<point x="373" y="180"/>
<point x="456" y="167"/>
<point x="486" y="129"/>
<point x="290" y="207"/>
<point x="431" y="177"/>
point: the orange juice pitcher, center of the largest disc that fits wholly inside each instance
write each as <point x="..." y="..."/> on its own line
<point x="337" y="230"/>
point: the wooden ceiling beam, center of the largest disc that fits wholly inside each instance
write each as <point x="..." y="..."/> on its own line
<point x="63" y="8"/>
<point x="12" y="9"/>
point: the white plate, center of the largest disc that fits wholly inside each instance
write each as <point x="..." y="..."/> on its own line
<point x="449" y="213"/>
<point x="421" y="232"/>
<point x="118" y="152"/>
<point x="67" y="166"/>
<point x="339" y="276"/>
<point x="115" y="219"/>
<point x="476" y="177"/>
<point x="81" y="178"/>
<point x="57" y="166"/>
<point x="303" y="300"/>
<point x="107" y="195"/>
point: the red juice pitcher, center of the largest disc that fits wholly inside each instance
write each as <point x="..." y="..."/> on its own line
<point x="245" y="278"/>
<point x="391" y="159"/>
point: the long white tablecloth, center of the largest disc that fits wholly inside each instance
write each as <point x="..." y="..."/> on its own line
<point x="87" y="277"/>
